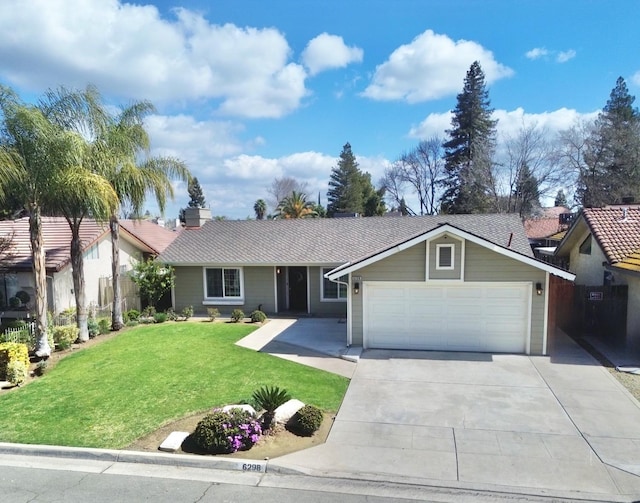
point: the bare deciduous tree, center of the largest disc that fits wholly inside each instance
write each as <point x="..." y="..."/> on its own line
<point x="530" y="170"/>
<point x="421" y="170"/>
<point x="284" y="187"/>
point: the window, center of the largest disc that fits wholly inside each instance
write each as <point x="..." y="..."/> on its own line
<point x="444" y="257"/>
<point x="92" y="253"/>
<point x="332" y="292"/>
<point x="223" y="283"/>
<point x="585" y="247"/>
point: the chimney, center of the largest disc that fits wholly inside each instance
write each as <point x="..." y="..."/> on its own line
<point x="195" y="217"/>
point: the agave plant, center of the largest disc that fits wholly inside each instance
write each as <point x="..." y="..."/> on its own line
<point x="269" y="399"/>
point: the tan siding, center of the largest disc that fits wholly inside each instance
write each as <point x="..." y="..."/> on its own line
<point x="258" y="289"/>
<point x="457" y="258"/>
<point x="482" y="264"/>
<point x="189" y="289"/>
<point x="317" y="306"/>
<point x="407" y="265"/>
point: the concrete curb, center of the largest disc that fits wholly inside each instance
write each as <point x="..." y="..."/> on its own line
<point x="260" y="466"/>
<point x="138" y="457"/>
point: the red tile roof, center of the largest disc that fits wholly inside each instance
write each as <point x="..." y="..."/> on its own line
<point x="154" y="236"/>
<point x="57" y="240"/>
<point x="538" y="228"/>
<point x="616" y="229"/>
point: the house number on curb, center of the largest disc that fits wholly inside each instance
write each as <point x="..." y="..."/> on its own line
<point x="252" y="467"/>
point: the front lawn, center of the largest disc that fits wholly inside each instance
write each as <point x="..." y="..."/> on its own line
<point x="110" y="394"/>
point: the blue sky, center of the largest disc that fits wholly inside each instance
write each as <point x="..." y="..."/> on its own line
<point x="248" y="91"/>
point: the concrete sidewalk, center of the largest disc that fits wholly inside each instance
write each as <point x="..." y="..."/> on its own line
<point x="561" y="425"/>
<point x="316" y="342"/>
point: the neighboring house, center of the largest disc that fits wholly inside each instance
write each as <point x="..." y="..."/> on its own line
<point x="137" y="240"/>
<point x="454" y="282"/>
<point x="603" y="248"/>
<point x="547" y="230"/>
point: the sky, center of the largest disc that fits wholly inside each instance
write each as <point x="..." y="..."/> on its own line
<point x="248" y="91"/>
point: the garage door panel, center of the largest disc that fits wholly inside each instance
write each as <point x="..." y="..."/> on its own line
<point x="490" y="317"/>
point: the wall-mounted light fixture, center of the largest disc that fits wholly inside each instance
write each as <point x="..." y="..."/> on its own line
<point x="278" y="270"/>
<point x="355" y="280"/>
<point x="539" y="288"/>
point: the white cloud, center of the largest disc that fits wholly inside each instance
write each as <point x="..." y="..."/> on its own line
<point x="536" y="53"/>
<point x="329" y="51"/>
<point x="509" y="122"/>
<point x="635" y="78"/>
<point x="558" y="56"/>
<point x="430" y="67"/>
<point x="130" y="51"/>
<point x="564" y="56"/>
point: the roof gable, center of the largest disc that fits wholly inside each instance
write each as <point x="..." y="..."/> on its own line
<point x="457" y="232"/>
<point x="615" y="229"/>
<point x="327" y="241"/>
<point x="151" y="235"/>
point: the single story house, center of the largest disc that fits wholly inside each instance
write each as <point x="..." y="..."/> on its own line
<point x="449" y="282"/>
<point x="602" y="248"/>
<point x="138" y="239"/>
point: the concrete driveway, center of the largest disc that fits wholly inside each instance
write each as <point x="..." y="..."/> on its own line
<point x="560" y="425"/>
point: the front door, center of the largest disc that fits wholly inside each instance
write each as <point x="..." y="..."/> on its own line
<point x="297" y="277"/>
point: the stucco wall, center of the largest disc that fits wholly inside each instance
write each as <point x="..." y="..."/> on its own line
<point x="587" y="268"/>
<point x="633" y="315"/>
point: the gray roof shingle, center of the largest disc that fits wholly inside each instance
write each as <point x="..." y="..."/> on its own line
<point x="326" y="240"/>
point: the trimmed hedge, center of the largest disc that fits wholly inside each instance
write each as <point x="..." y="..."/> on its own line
<point x="64" y="336"/>
<point x="11" y="352"/>
<point x="307" y="420"/>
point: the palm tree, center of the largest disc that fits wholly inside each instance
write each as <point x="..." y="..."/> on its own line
<point x="40" y="164"/>
<point x="81" y="192"/>
<point x="119" y="149"/>
<point x="260" y="207"/>
<point x="295" y="206"/>
<point x="27" y="138"/>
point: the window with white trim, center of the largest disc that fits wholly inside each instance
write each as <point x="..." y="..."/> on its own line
<point x="223" y="283"/>
<point x="330" y="291"/>
<point x="445" y="256"/>
<point x="92" y="253"/>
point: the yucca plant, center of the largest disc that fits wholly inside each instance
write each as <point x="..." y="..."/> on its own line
<point x="269" y="399"/>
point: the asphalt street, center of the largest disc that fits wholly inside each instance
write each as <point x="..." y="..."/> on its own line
<point x="32" y="479"/>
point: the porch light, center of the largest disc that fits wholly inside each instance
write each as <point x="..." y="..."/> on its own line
<point x="356" y="287"/>
<point x="539" y="288"/>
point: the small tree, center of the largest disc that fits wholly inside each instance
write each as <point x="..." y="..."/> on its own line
<point x="153" y="278"/>
<point x="260" y="208"/>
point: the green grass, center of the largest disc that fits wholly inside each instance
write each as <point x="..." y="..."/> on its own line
<point x="110" y="394"/>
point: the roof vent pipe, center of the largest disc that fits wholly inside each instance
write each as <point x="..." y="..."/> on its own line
<point x="510" y="239"/>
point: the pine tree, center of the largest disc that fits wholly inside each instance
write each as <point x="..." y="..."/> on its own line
<point x="561" y="199"/>
<point x="345" y="191"/>
<point x="196" y="196"/>
<point x="526" y="193"/>
<point x="351" y="190"/>
<point x="469" y="150"/>
<point x="611" y="167"/>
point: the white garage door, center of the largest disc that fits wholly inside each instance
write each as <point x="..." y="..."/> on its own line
<point x="490" y="317"/>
